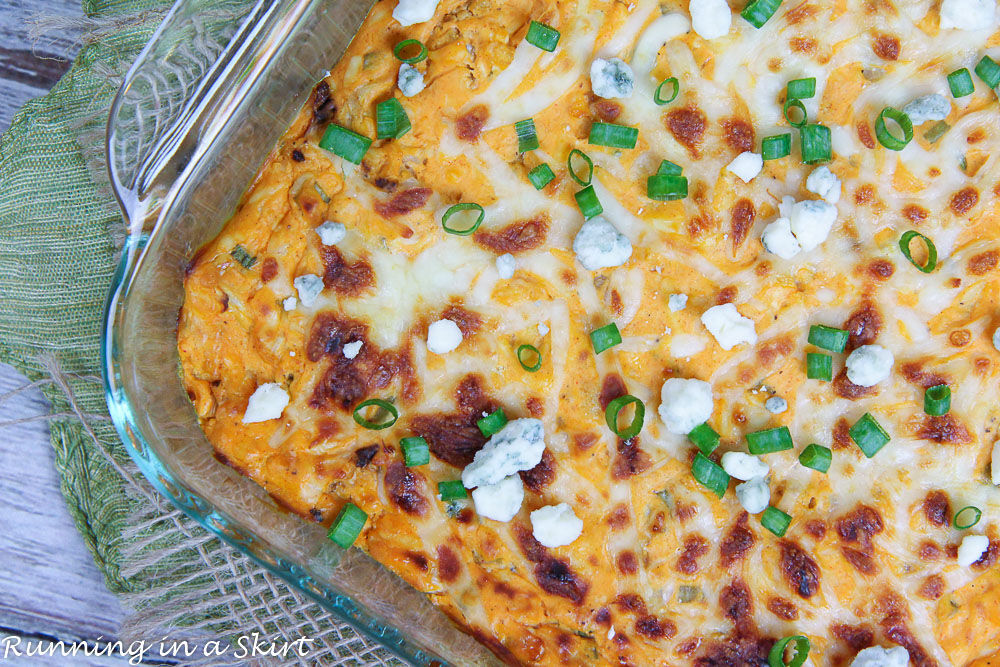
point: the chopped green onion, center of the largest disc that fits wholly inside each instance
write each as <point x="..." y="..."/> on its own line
<point x="795" y="103"/>
<point x="775" y="521"/>
<point x="543" y="36"/>
<point x="710" y="474"/>
<point x="452" y="489"/>
<point x="816" y="144"/>
<point x="541" y="176"/>
<point x="343" y="142"/>
<point x="668" y="168"/>
<point x="770" y="440"/>
<point x="704" y="438"/>
<point x="759" y="12"/>
<point x="458" y="208"/>
<point x="529" y="349"/>
<point x="666" y="187"/>
<point x="527" y="137"/>
<point x="572" y="172"/>
<point x="828" y="338"/>
<point x="819" y="366"/>
<point x="492" y="423"/>
<point x="588" y="202"/>
<point x="960" y="82"/>
<point x="937" y="400"/>
<point x="240" y="254"/>
<point x="971" y="517"/>
<point x="615" y="408"/>
<point x="605" y="338"/>
<point x="887" y="138"/>
<point x="613" y="136"/>
<point x="391" y="121"/>
<point x="348" y="525"/>
<point x="658" y="97"/>
<point x="938" y="130"/>
<point x="384" y="406"/>
<point x="778" y="146"/>
<point x="802" y="89"/>
<point x="904" y="245"/>
<point x="989" y="71"/>
<point x="407" y="43"/>
<point x="416" y="452"/>
<point x="776" y="658"/>
<point x="816" y="457"/>
<point x="869" y="435"/>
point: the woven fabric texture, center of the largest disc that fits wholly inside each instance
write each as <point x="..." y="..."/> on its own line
<point x="58" y="220"/>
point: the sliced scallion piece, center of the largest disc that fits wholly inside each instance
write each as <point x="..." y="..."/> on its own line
<point x="869" y="435"/>
<point x="348" y="525"/>
<point x="588" y="202"/>
<point x="801" y="645"/>
<point x="404" y="46"/>
<point x="525" y="351"/>
<point x="704" y="438"/>
<point x="989" y="71"/>
<point x="816" y="144"/>
<point x="240" y="254"/>
<point x="795" y="103"/>
<point x="541" y="176"/>
<point x="802" y="89"/>
<point x="759" y="12"/>
<point x="377" y="424"/>
<point x="710" y="474"/>
<point x="343" y="142"/>
<point x="492" y="423"/>
<point x="527" y="137"/>
<point x="543" y="36"/>
<point x="416" y="451"/>
<point x="819" y="366"/>
<point x="778" y="146"/>
<point x="936" y="131"/>
<point x="904" y="245"/>
<point x="391" y="121"/>
<point x="967" y="517"/>
<point x="828" y="338"/>
<point x="887" y="138"/>
<point x="937" y="400"/>
<point x="666" y="187"/>
<point x="668" y="168"/>
<point x="675" y="85"/>
<point x="572" y="172"/>
<point x="816" y="457"/>
<point x="452" y="489"/>
<point x="770" y="440"/>
<point x="960" y="82"/>
<point x="458" y="208"/>
<point x="615" y="408"/>
<point x="605" y="338"/>
<point x="612" y="135"/>
<point x="775" y="521"/>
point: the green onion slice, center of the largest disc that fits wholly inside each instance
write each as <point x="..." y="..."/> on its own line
<point x="240" y="254"/>
<point x="348" y="525"/>
<point x="416" y="451"/>
<point x="989" y="71"/>
<point x="541" y="176"/>
<point x="828" y="338"/>
<point x="406" y="44"/>
<point x="819" y="366"/>
<point x="452" y="489"/>
<point x="816" y="143"/>
<point x="904" y="245"/>
<point x="527" y="137"/>
<point x="658" y="95"/>
<point x="778" y="146"/>
<point x="378" y="425"/>
<point x="458" y="208"/>
<point x="615" y="408"/>
<point x="572" y="172"/>
<point x="666" y="187"/>
<point x="770" y="440"/>
<point x="613" y="136"/>
<point x="887" y="138"/>
<point x="605" y="338"/>
<point x="543" y="36"/>
<point x="936" y="131"/>
<point x="960" y="82"/>
<point x="802" y="89"/>
<point x="795" y="103"/>
<point x="343" y="142"/>
<point x="775" y="521"/>
<point x="588" y="202"/>
<point x="776" y="658"/>
<point x="391" y="121"/>
<point x="967" y="517"/>
<point x="937" y="400"/>
<point x="668" y="168"/>
<point x="529" y="350"/>
<point x="816" y="457"/>
<point x="869" y="435"/>
<point x="704" y="438"/>
<point x="710" y="474"/>
<point x="759" y="12"/>
<point x="492" y="423"/>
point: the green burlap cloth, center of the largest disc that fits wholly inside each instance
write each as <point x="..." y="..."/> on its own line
<point x="57" y="221"/>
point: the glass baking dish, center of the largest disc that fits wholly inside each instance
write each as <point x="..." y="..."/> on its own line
<point x="196" y="116"/>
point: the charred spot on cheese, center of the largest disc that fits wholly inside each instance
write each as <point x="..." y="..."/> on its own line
<point x="323" y="106"/>
<point x="515" y="237"/>
<point x="403" y="202"/>
<point x="741" y="220"/>
<point x="405" y="489"/>
<point x="470" y="125"/>
<point x="695" y="546"/>
<point x="960" y="337"/>
<point x="449" y="565"/>
<point x="779" y="347"/>
<point x="816" y="529"/>
<point x="932" y="587"/>
<point x="865" y="134"/>
<point x="606" y="110"/>
<point x="737" y="605"/>
<point x="805" y="45"/>
<point x="418" y="559"/>
<point x="343" y="277"/>
<point x="864" y="325"/>
<point x="886" y="47"/>
<point x="847" y="389"/>
<point x="963" y="200"/>
<point x="630" y="460"/>
<point x="627" y="563"/>
<point x="915" y="214"/>
<point x="727" y="295"/>
<point x="553" y="575"/>
<point x="535" y="407"/>
<point x="799" y="569"/>
<point x="859" y="525"/>
<point x="268" y="269"/>
<point x="984" y="262"/>
<point x="539" y="477"/>
<point x="881" y="269"/>
<point x="735" y="651"/>
<point x="364" y="455"/>
<point x="611" y="388"/>
<point x="937" y="509"/>
<point x="914" y="373"/>
<point x="857" y="637"/>
<point x="631" y="602"/>
<point x="471" y="396"/>
<point x="944" y="429"/>
<point x="859" y="560"/>
<point x="898" y="633"/>
<point x="989" y="557"/>
<point x="386" y="185"/>
<point x="739" y="134"/>
<point x="298" y="155"/>
<point x="737" y="542"/>
<point x="929" y="551"/>
<point x="651" y="627"/>
<point x="783" y="609"/>
<point x="687" y="124"/>
<point x="801" y="13"/>
<point x="842" y="434"/>
<point x="619" y="517"/>
<point x="495" y="645"/>
<point x="452" y="438"/>
<point x="468" y="321"/>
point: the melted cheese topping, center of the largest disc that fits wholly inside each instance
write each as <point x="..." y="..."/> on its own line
<point x="664" y="572"/>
